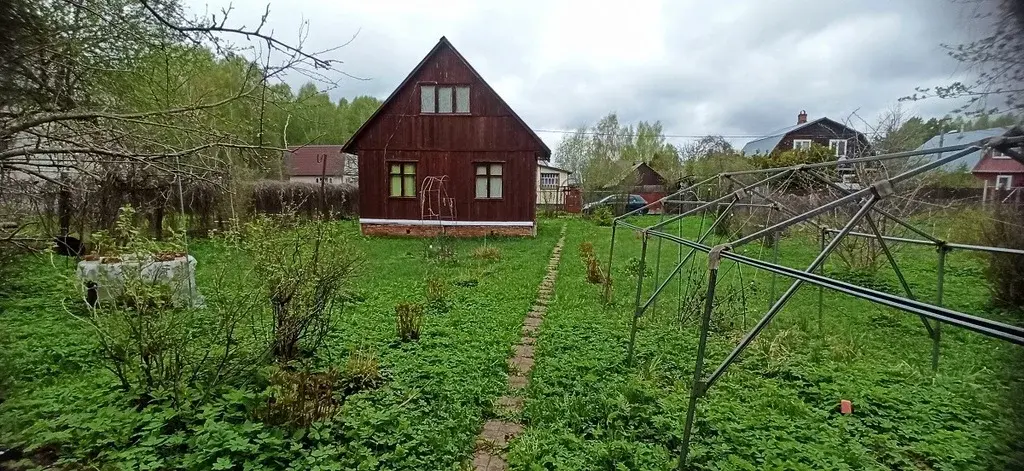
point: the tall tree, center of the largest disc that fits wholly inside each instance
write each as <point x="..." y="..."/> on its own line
<point x="600" y="155"/>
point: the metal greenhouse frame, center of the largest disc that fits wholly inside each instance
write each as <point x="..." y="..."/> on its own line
<point x="865" y="199"/>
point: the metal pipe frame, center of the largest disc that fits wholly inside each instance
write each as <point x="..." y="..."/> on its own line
<point x="876" y="209"/>
<point x="877" y="158"/>
<point x="881" y="186"/>
<point x="781" y="173"/>
<point x="948" y="245"/>
<point x="665" y="198"/>
<point x="777" y="204"/>
<point x="740" y="205"/>
<point x="980" y="325"/>
<point x="869" y="197"/>
<point x="640" y="310"/>
<point x="714" y="259"/>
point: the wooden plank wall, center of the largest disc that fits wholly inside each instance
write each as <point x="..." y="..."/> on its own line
<point x="448" y="145"/>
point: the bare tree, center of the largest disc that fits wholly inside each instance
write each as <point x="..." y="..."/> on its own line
<point x="995" y="58"/>
<point x="140" y="89"/>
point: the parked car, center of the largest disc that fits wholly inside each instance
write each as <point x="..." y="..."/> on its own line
<point x="618" y="204"/>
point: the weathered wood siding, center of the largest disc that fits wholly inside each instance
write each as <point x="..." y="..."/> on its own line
<point x="821" y="132"/>
<point x="447" y="144"/>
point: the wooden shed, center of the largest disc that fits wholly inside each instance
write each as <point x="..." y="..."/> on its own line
<point x="444" y="153"/>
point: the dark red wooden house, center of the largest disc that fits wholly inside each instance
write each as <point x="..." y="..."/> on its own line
<point x="444" y="153"/>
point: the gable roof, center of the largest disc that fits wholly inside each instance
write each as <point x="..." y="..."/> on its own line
<point x="638" y="170"/>
<point x="441" y="43"/>
<point x="552" y="167"/>
<point x="767" y="143"/>
<point x="955" y="138"/>
<point x="303" y="161"/>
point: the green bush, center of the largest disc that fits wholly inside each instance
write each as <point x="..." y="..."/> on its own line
<point x="1005" y="272"/>
<point x="602" y="216"/>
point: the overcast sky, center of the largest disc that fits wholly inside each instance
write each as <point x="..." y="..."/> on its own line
<point x="730" y="67"/>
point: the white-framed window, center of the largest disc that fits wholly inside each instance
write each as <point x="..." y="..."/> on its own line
<point x="444" y="99"/>
<point x="802" y="144"/>
<point x="999" y="155"/>
<point x="488" y="180"/>
<point x="548" y="180"/>
<point x="324" y="179"/>
<point x="838" y="146"/>
<point x="1004" y="182"/>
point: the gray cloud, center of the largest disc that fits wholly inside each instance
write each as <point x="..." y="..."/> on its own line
<point x="727" y="67"/>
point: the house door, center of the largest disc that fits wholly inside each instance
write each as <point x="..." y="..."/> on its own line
<point x="1004" y="182"/>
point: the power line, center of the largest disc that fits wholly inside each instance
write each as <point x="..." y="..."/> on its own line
<point x="690" y="136"/>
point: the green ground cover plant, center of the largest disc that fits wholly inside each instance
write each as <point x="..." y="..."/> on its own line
<point x="363" y="400"/>
<point x="778" y="407"/>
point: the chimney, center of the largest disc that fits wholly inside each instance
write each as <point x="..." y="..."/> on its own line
<point x="802" y="117"/>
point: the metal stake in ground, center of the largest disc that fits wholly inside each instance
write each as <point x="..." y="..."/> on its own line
<point x="639" y="295"/>
<point x="937" y="336"/>
<point x="698" y="388"/>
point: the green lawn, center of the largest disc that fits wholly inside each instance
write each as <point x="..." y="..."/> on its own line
<point x="426" y="416"/>
<point x="777" y="408"/>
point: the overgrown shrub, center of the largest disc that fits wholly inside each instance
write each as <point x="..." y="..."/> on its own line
<point x="602" y="216"/>
<point x="153" y="342"/>
<point x="487" y="252"/>
<point x="441" y="250"/>
<point x="409" y="318"/>
<point x="589" y="258"/>
<point x="305" y="269"/>
<point x="635" y="266"/>
<point x="1005" y="272"/>
<point x="362" y="372"/>
<point x="277" y="197"/>
<point x="301" y="397"/>
<point x="438" y="294"/>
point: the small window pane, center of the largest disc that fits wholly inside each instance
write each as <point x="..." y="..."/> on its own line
<point x="495" y="169"/>
<point x="427" y="98"/>
<point x="444" y="100"/>
<point x="395" y="168"/>
<point x="481" y="187"/>
<point x="396" y="186"/>
<point x="481" y="170"/>
<point x="410" y="186"/>
<point x="462" y="99"/>
<point x="495" y="187"/>
<point x="410" y="169"/>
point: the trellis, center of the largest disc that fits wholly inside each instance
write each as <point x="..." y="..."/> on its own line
<point x="758" y="194"/>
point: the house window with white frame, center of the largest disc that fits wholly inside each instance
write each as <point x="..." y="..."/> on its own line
<point x="548" y="181"/>
<point x="1004" y="182"/>
<point x="801" y="144"/>
<point x="999" y="155"/>
<point x="838" y="146"/>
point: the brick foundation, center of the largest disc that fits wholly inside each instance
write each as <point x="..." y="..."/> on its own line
<point x="402" y="230"/>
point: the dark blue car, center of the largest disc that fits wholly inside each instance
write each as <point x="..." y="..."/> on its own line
<point x="618" y="204"/>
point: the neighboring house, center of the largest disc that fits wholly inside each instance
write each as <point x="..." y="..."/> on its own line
<point x="999" y="172"/>
<point x="551" y="185"/>
<point x="641" y="179"/>
<point x="845" y="141"/>
<point x="313" y="163"/>
<point x="956" y="138"/>
<point x="445" y="154"/>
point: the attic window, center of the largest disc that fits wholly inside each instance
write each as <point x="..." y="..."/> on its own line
<point x="444" y="99"/>
<point x="999" y="155"/>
